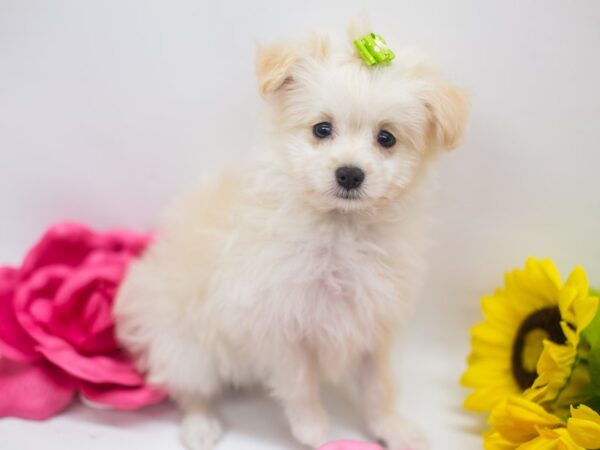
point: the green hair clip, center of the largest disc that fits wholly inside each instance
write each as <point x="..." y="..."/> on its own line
<point x="373" y="49"/>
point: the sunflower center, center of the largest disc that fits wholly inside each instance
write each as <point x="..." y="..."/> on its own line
<point x="528" y="344"/>
<point x="534" y="345"/>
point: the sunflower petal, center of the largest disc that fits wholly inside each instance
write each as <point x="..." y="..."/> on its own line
<point x="499" y="312"/>
<point x="584" y="426"/>
<point x="487" y="398"/>
<point x="576" y="305"/>
<point x="492" y="440"/>
<point x="484" y="374"/>
<point x="540" y="278"/>
<point x="518" y="419"/>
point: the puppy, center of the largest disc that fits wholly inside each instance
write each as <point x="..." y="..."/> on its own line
<point x="301" y="265"/>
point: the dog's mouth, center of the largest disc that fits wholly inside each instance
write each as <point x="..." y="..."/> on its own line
<point x="352" y="195"/>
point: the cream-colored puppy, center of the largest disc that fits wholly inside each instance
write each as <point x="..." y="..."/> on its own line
<point x="301" y="265"/>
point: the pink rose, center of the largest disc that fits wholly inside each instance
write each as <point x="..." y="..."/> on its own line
<point x="350" y="445"/>
<point x="56" y="325"/>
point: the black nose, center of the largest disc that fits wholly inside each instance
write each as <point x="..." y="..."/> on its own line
<point x="349" y="177"/>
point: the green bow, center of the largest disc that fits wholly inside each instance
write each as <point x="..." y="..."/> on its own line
<point x="373" y="49"/>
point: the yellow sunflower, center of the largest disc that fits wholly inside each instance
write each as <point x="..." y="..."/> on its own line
<point x="520" y="424"/>
<point x="531" y="325"/>
<point x="554" y="367"/>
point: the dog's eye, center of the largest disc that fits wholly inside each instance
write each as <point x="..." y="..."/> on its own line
<point x="322" y="130"/>
<point x="386" y="139"/>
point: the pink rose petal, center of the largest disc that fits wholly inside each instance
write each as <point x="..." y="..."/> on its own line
<point x="66" y="244"/>
<point x="113" y="368"/>
<point x="41" y="311"/>
<point x="15" y="343"/>
<point x="33" y="391"/>
<point x="82" y="306"/>
<point x="99" y="271"/>
<point x="99" y="323"/>
<point x="97" y="313"/>
<point x="120" y="397"/>
<point x="123" y="241"/>
<point x="70" y="243"/>
<point x="110" y="368"/>
<point x="42" y="285"/>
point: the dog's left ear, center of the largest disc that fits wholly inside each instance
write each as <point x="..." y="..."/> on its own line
<point x="274" y="67"/>
<point x="448" y="106"/>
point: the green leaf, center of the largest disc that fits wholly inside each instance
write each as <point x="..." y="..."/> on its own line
<point x="590" y="348"/>
<point x="579" y="388"/>
<point x="593" y="403"/>
<point x="591" y="334"/>
<point x="594" y="366"/>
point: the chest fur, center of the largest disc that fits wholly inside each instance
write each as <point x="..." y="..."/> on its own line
<point x="335" y="289"/>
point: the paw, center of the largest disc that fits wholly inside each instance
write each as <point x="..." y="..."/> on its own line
<point x="310" y="431"/>
<point x="399" y="434"/>
<point x="200" y="431"/>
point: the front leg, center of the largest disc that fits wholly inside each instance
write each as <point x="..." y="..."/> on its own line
<point x="378" y="394"/>
<point x="295" y="383"/>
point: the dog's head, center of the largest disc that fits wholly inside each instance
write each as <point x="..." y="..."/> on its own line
<point x="350" y="136"/>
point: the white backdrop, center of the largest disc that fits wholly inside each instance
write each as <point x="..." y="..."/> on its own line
<point x="108" y="108"/>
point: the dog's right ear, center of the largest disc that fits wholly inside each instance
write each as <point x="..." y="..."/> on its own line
<point x="274" y="66"/>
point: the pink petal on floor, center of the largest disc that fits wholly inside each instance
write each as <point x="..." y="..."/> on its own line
<point x="120" y="397"/>
<point x="350" y="445"/>
<point x="33" y="391"/>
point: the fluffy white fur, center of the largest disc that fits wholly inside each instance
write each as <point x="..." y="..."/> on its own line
<point x="266" y="276"/>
